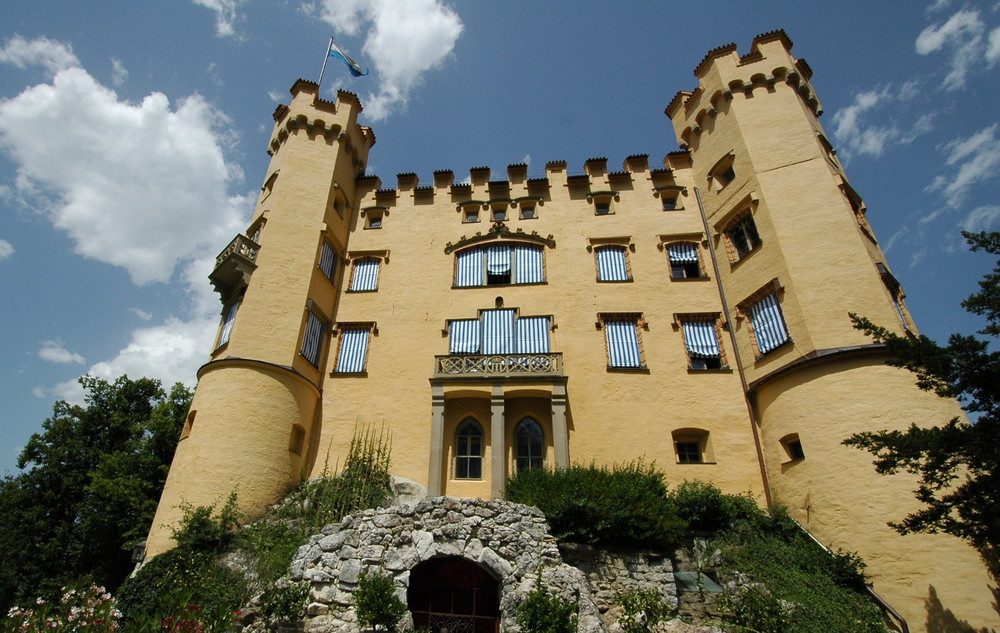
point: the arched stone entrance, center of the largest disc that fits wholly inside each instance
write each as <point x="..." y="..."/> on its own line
<point x="451" y="594"/>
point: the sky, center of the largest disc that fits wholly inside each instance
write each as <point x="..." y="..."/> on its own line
<point x="133" y="140"/>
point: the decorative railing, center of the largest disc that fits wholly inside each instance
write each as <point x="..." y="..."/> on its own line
<point x="492" y="365"/>
<point x="241" y="245"/>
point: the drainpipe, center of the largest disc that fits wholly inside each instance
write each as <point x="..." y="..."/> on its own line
<point x="736" y="352"/>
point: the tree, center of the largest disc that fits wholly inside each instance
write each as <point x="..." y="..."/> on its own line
<point x="958" y="463"/>
<point x="89" y="486"/>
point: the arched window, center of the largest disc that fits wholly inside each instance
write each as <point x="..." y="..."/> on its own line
<point x="499" y="264"/>
<point x="529" y="445"/>
<point x="469" y="450"/>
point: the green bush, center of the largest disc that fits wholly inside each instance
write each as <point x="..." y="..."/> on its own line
<point x="200" y="530"/>
<point x="756" y="610"/>
<point x="284" y="603"/>
<point x="376" y="602"/>
<point x="641" y="610"/>
<point x="544" y="612"/>
<point x="626" y="505"/>
<point x="707" y="509"/>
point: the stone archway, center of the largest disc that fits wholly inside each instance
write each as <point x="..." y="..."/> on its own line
<point x="451" y="594"/>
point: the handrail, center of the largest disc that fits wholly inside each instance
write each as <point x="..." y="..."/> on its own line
<point x="477" y="365"/>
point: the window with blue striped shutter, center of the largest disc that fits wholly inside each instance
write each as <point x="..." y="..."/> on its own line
<point x="328" y="260"/>
<point x="528" y="266"/>
<point x="499" y="264"/>
<point x="464" y="336"/>
<point x="469" y="268"/>
<point x="532" y="335"/>
<point x="623" y="343"/>
<point x="365" y="276"/>
<point x="498" y="331"/>
<point x="612" y="264"/>
<point x="353" y="353"/>
<point x="227" y="323"/>
<point x="313" y="339"/>
<point x="701" y="339"/>
<point x="768" y="324"/>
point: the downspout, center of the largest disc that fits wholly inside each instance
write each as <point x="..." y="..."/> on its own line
<point x="736" y="352"/>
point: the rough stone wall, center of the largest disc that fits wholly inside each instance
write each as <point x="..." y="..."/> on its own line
<point x="511" y="541"/>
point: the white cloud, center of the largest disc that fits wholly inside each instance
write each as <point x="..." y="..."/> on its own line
<point x="993" y="47"/>
<point x="50" y="54"/>
<point x="119" y="74"/>
<point x="226" y="15"/>
<point x="977" y="158"/>
<point x="963" y="34"/>
<point x="983" y="218"/>
<point x="55" y="352"/>
<point x="139" y="186"/>
<point x="6" y="249"/>
<point x="275" y="96"/>
<point x="142" y="314"/>
<point x="405" y="39"/>
<point x="857" y="134"/>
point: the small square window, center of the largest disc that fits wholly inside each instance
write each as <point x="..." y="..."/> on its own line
<point x="743" y="238"/>
<point x="528" y="213"/>
<point x="688" y="452"/>
<point x="670" y="203"/>
<point x="793" y="447"/>
<point x="498" y="215"/>
<point x="471" y="216"/>
<point x="373" y="220"/>
<point x="602" y="207"/>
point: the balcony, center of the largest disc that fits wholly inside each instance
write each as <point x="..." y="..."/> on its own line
<point x="497" y="365"/>
<point x="233" y="266"/>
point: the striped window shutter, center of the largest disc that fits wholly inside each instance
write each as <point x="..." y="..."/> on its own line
<point x="469" y="268"/>
<point x="353" y="350"/>
<point x="611" y="264"/>
<point x="623" y="344"/>
<point x="365" y="274"/>
<point x="227" y="324"/>
<point x="312" y="339"/>
<point x="701" y="339"/>
<point x="498" y="331"/>
<point x="498" y="259"/>
<point x="768" y="324"/>
<point x="328" y="260"/>
<point x="683" y="253"/>
<point x="528" y="267"/>
<point x="463" y="336"/>
<point x="533" y="335"/>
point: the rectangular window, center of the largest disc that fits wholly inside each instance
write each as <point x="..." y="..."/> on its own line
<point x="743" y="237"/>
<point x="499" y="265"/>
<point x="688" y="452"/>
<point x="527" y="212"/>
<point x="768" y="324"/>
<point x="684" y="262"/>
<point x="373" y="220"/>
<point x="531" y="335"/>
<point x="365" y="277"/>
<point x="328" y="260"/>
<point x="471" y="216"/>
<point x="353" y="353"/>
<point x="499" y="331"/>
<point x="312" y="341"/>
<point x="702" y="343"/>
<point x="622" y="339"/>
<point x="612" y="263"/>
<point x="499" y="215"/>
<point x="228" y="319"/>
<point x="602" y="207"/>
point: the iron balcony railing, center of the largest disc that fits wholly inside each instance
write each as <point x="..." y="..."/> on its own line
<point x="498" y="365"/>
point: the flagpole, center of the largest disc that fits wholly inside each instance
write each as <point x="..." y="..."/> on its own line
<point x="325" y="58"/>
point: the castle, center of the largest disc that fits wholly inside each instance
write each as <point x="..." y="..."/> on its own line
<point x="694" y="314"/>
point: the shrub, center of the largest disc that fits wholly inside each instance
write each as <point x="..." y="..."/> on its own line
<point x="706" y="509"/>
<point x="624" y="506"/>
<point x="200" y="531"/>
<point x="285" y="602"/>
<point x="376" y="602"/>
<point x="755" y="609"/>
<point x="544" y="612"/>
<point x="642" y="609"/>
<point x="88" y="608"/>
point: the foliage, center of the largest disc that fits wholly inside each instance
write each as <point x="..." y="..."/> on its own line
<point x="544" y="612"/>
<point x="957" y="463"/>
<point x="756" y="609"/>
<point x="377" y="603"/>
<point x="200" y="531"/>
<point x="641" y="610"/>
<point x="89" y="487"/>
<point x="89" y="609"/>
<point x="705" y="509"/>
<point x="627" y="505"/>
<point x="284" y="601"/>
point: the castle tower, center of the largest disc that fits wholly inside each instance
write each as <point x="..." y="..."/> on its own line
<point x="794" y="256"/>
<point x="257" y="405"/>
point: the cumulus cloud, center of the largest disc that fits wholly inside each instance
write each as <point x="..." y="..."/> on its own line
<point x="142" y="186"/>
<point x="55" y="352"/>
<point x="404" y="40"/>
<point x="963" y="35"/>
<point x="975" y="159"/>
<point x="226" y="15"/>
<point x="6" y="249"/>
<point x="50" y="54"/>
<point x="858" y="134"/>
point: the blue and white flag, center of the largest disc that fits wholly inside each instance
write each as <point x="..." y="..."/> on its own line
<point x="352" y="65"/>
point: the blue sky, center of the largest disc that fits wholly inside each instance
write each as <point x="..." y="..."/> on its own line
<point x="133" y="135"/>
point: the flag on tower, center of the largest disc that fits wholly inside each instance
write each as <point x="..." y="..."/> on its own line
<point x="352" y="65"/>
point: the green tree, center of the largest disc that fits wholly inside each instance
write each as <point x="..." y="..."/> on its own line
<point x="89" y="486"/>
<point x="958" y="462"/>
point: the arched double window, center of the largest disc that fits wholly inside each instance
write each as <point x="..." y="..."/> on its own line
<point x="529" y="445"/>
<point x="499" y="264"/>
<point x="469" y="450"/>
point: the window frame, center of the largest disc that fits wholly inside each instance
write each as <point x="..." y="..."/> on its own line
<point x="516" y="255"/>
<point x="696" y="443"/>
<point x="373" y="279"/>
<point x="328" y="254"/>
<point x="468" y="459"/>
<point x="229" y="312"/>
<point x="622" y="349"/>
<point x="739" y="242"/>
<point x="685" y="266"/>
<point x="700" y="361"/>
<point x="616" y="269"/>
<point x="357" y="355"/>
<point x="313" y="334"/>
<point x="770" y="292"/>
<point x="519" y="343"/>
<point x="532" y="461"/>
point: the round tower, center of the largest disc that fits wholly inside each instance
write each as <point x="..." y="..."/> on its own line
<point x="795" y="255"/>
<point x="256" y="408"/>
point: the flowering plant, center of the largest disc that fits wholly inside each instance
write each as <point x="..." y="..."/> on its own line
<point x="87" y="610"/>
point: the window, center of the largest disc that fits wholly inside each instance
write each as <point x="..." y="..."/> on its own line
<point x="670" y="202"/>
<point x="692" y="446"/>
<point x="471" y="216"/>
<point x="742" y="238"/>
<point x="612" y="263"/>
<point x="352" y="356"/>
<point x="469" y="450"/>
<point x="313" y="338"/>
<point x="373" y="219"/>
<point x="499" y="264"/>
<point x="895" y="293"/>
<point x="793" y="447"/>
<point x="701" y="340"/>
<point x="498" y="214"/>
<point x="723" y="172"/>
<point x="688" y="452"/>
<point x="328" y="260"/>
<point x="768" y="324"/>
<point x="621" y="335"/>
<point x="528" y="212"/>
<point x="365" y="276"/>
<point x="529" y="447"/>
<point x="228" y="319"/>
<point x="684" y="262"/>
<point x="499" y="331"/>
<point x="602" y="207"/>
